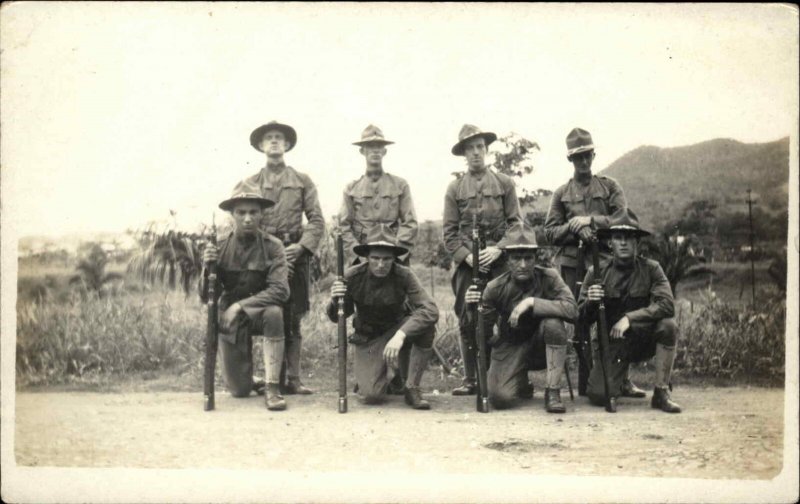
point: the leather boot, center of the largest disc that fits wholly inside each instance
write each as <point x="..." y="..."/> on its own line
<point x="259" y="386"/>
<point x="415" y="400"/>
<point x="469" y="386"/>
<point x="662" y="401"/>
<point x="552" y="401"/>
<point x="274" y="399"/>
<point x="295" y="386"/>
<point x="631" y="390"/>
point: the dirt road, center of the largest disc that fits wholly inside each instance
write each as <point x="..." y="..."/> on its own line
<point x="723" y="433"/>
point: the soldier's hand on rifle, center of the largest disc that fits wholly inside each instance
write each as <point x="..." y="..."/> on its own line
<point x="473" y="295"/>
<point x="338" y="289"/>
<point x="579" y="222"/>
<point x="523" y="306"/>
<point x="618" y="331"/>
<point x="392" y="349"/>
<point x="229" y="316"/>
<point x="210" y="254"/>
<point x="487" y="257"/>
<point x="585" y="234"/>
<point x="595" y="293"/>
<point x="293" y="253"/>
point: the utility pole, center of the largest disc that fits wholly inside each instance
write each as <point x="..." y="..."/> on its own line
<point x="752" y="247"/>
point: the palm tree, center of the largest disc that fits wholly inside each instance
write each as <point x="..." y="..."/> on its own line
<point x="676" y="259"/>
<point x="168" y="257"/>
<point x="92" y="270"/>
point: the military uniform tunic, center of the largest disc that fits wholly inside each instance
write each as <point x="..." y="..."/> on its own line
<point x="368" y="203"/>
<point x="640" y="291"/>
<point x="251" y="272"/>
<point x="382" y="306"/>
<point x="494" y="198"/>
<point x="601" y="198"/>
<point x="294" y="194"/>
<point x="515" y="350"/>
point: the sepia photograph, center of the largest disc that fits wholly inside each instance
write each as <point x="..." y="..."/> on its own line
<point x="399" y="252"/>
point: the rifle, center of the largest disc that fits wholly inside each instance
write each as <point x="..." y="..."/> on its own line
<point x="482" y="404"/>
<point x="581" y="337"/>
<point x="602" y="330"/>
<point x="210" y="364"/>
<point x="342" y="326"/>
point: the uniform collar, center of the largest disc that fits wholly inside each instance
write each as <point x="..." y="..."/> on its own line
<point x="275" y="167"/>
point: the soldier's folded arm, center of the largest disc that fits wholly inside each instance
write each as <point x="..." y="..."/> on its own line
<point x="424" y="313"/>
<point x="346" y="218"/>
<point x="276" y="291"/>
<point x="556" y="226"/>
<point x="409" y="227"/>
<point x="315" y="227"/>
<point x="511" y="205"/>
<point x="452" y="240"/>
<point x="560" y="303"/>
<point x="616" y="201"/>
<point x="662" y="304"/>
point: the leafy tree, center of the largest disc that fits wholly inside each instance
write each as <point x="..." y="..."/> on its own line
<point x="169" y="257"/>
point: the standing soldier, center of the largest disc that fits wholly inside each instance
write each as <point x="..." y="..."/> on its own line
<point x="525" y="308"/>
<point x="378" y="198"/>
<point x="576" y="208"/>
<point x="252" y="274"/>
<point x="639" y="308"/>
<point x="393" y="311"/>
<point x="492" y="199"/>
<point x="294" y="194"/>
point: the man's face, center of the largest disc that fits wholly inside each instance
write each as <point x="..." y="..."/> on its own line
<point x="475" y="152"/>
<point x="373" y="153"/>
<point x="521" y="263"/>
<point x="582" y="162"/>
<point x="246" y="216"/>
<point x="623" y="245"/>
<point x="273" y="143"/>
<point x="380" y="261"/>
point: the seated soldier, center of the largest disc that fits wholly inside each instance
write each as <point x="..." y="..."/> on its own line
<point x="639" y="308"/>
<point x="252" y="286"/>
<point x="525" y="309"/>
<point x="392" y="311"/>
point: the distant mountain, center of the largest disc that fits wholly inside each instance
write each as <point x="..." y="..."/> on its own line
<point x="660" y="182"/>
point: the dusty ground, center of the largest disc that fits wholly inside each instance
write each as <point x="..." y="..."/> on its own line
<point x="723" y="433"/>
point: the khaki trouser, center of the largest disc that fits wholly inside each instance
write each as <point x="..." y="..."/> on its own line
<point x="236" y="349"/>
<point x="510" y="361"/>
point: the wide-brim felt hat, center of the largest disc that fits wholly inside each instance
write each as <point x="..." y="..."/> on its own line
<point x="245" y="192"/>
<point x="372" y="135"/>
<point x="380" y="236"/>
<point x="579" y="140"/>
<point x="258" y="134"/>
<point x="625" y="221"/>
<point x="468" y="132"/>
<point x="518" y="237"/>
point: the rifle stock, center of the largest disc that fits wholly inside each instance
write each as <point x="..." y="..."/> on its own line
<point x="341" y="327"/>
<point x="581" y="336"/>
<point x="210" y="363"/>
<point x="482" y="400"/>
<point x="602" y="331"/>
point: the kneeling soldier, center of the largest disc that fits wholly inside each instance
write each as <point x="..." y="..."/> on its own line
<point x="252" y="273"/>
<point x="392" y="311"/>
<point x="639" y="308"/>
<point x="525" y="308"/>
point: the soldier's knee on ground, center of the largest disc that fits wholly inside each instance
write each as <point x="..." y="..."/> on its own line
<point x="239" y="389"/>
<point x="596" y="400"/>
<point x="372" y="398"/>
<point x="554" y="331"/>
<point x="272" y="321"/>
<point x="502" y="399"/>
<point x="667" y="332"/>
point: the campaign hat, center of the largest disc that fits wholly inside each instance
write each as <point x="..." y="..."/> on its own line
<point x="258" y="134"/>
<point x="468" y="132"/>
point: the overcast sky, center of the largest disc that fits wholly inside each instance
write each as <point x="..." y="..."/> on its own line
<point x="112" y="114"/>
